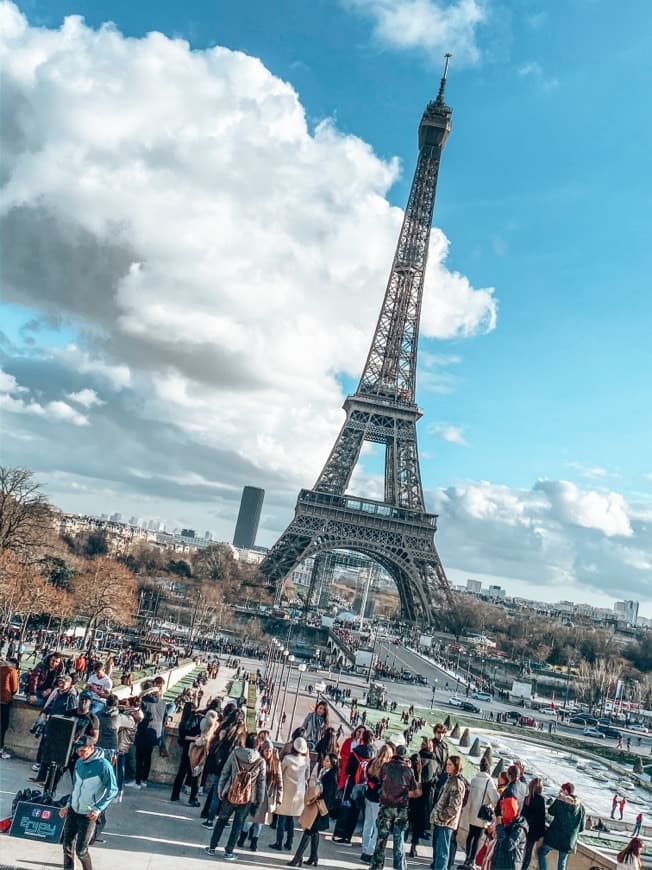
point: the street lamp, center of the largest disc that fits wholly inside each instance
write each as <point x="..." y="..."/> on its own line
<point x="290" y="660"/>
<point x="283" y="658"/>
<point x="301" y="671"/>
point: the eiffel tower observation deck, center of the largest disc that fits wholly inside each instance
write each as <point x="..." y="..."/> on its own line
<point x="397" y="532"/>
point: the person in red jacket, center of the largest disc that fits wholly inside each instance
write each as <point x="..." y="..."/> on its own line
<point x="345" y="753"/>
<point x="8" y="688"/>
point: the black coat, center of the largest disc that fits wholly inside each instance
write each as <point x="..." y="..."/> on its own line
<point x="534" y="813"/>
<point x="510" y="845"/>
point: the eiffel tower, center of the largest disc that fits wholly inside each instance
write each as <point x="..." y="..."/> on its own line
<point x="396" y="532"/>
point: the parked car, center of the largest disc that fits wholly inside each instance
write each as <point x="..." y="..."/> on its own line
<point x="419" y="678"/>
<point x="610" y="731"/>
<point x="637" y="726"/>
<point x="455" y="701"/>
<point x="548" y="711"/>
<point x="468" y="707"/>
<point x="481" y="696"/>
<point x="583" y="719"/>
<point x="593" y="732"/>
<point x="513" y="715"/>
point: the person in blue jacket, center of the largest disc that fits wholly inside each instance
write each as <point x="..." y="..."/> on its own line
<point x="93" y="788"/>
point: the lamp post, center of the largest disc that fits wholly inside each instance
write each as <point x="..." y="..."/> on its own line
<point x="290" y="660"/>
<point x="434" y="689"/>
<point x="283" y="659"/>
<point x="301" y="671"/>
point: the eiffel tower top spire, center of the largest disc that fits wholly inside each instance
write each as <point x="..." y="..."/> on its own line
<point x="390" y="370"/>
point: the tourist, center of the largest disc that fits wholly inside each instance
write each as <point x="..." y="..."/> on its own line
<point x="149" y="731"/>
<point x="319" y="803"/>
<point x="440" y="752"/>
<point x="622" y="803"/>
<point x="8" y="688"/>
<point x="482" y="793"/>
<point x="567" y="821"/>
<point x="271" y="799"/>
<point x="232" y="732"/>
<point x="42" y="681"/>
<point x="446" y="813"/>
<point x="316" y="723"/>
<point x="397" y="782"/>
<point x="241" y="789"/>
<point x="631" y="854"/>
<point x="534" y="812"/>
<point x="614" y="805"/>
<point x="295" y="770"/>
<point x="353" y="795"/>
<point x="345" y="751"/>
<point x="99" y="684"/>
<point x="197" y="733"/>
<point x="638" y="824"/>
<point x="520" y="785"/>
<point x="510" y="826"/>
<point x="327" y="744"/>
<point x="372" y="800"/>
<point x="93" y="789"/>
<point x="128" y="720"/>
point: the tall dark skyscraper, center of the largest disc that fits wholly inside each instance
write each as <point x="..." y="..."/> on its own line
<point x="246" y="527"/>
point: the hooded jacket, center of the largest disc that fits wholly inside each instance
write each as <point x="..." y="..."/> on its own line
<point x="93" y="784"/>
<point x="295" y="770"/>
<point x="248" y="759"/>
<point x="510" y="845"/>
<point x="567" y="821"/>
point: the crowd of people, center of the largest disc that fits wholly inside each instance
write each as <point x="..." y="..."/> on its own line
<point x="319" y="779"/>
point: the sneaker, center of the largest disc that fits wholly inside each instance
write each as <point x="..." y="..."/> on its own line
<point x="36" y="767"/>
<point x="207" y="823"/>
<point x="229" y="856"/>
<point x="194" y="803"/>
<point x="132" y="785"/>
<point x="208" y="850"/>
<point x="4" y="754"/>
<point x="143" y="785"/>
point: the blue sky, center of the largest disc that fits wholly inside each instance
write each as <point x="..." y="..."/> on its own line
<point x="544" y="195"/>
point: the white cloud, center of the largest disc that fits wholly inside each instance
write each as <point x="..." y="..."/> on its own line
<point x="560" y="539"/>
<point x="207" y="242"/>
<point x="86" y="397"/>
<point x="58" y="411"/>
<point x="448" y="432"/>
<point x="9" y="384"/>
<point x="593" y="472"/>
<point x="533" y="70"/>
<point x="434" y="26"/>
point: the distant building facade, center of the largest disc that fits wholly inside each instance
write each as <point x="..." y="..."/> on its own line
<point x="246" y="527"/>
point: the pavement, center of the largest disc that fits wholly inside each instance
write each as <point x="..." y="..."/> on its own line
<point x="158" y="834"/>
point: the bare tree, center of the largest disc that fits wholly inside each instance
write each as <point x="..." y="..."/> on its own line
<point x="105" y="591"/>
<point x="25" y="513"/>
<point x="23" y="591"/>
<point x="596" y="679"/>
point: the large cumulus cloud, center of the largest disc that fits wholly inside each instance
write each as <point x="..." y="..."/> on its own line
<point x="207" y="246"/>
<point x="561" y="539"/>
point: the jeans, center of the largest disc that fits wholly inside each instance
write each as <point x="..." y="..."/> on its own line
<point x="285" y="823"/>
<point x="394" y="821"/>
<point x="370" y="830"/>
<point x="543" y="853"/>
<point x="472" y="843"/>
<point x="441" y="847"/>
<point x="120" y="771"/>
<point x="80" y="828"/>
<point x="239" y="815"/>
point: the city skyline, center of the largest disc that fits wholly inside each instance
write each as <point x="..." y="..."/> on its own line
<point x="195" y="261"/>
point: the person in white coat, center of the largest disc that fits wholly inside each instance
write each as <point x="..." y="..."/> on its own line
<point x="295" y="772"/>
<point x="482" y="792"/>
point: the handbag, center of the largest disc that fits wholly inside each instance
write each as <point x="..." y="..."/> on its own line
<point x="321" y="807"/>
<point x="486" y="811"/>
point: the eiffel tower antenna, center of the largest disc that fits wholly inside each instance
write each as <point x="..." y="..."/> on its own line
<point x="396" y="531"/>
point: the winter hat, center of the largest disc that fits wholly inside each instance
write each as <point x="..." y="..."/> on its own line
<point x="300" y="746"/>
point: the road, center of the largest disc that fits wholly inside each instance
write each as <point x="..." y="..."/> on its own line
<point x="398" y="657"/>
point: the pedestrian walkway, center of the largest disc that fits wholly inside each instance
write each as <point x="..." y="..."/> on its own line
<point x="149" y="832"/>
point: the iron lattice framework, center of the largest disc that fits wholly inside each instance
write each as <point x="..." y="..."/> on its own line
<point x="396" y="532"/>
